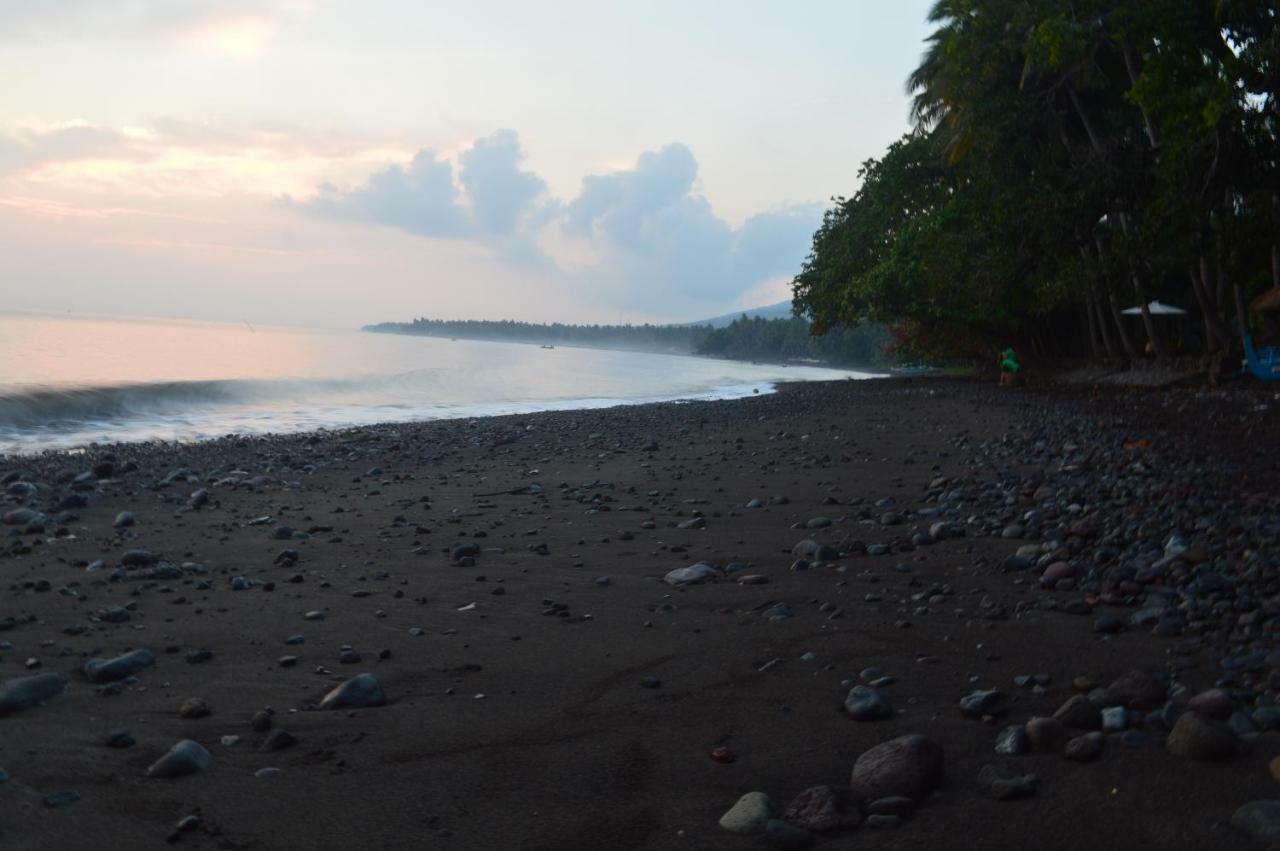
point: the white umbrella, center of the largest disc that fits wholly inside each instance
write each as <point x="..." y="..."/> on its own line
<point x="1156" y="309"/>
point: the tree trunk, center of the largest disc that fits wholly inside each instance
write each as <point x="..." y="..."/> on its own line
<point x="1102" y="324"/>
<point x="1119" y="320"/>
<point x="1084" y="119"/>
<point x="1275" y="248"/>
<point x="1216" y="333"/>
<point x="1157" y="345"/>
<point x="1242" y="322"/>
<point x="1153" y="336"/>
<point x="1131" y="67"/>
<point x="1091" y="328"/>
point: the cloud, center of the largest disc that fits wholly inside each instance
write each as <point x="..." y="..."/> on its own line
<point x="25" y="147"/>
<point x="642" y="237"/>
<point x="170" y="157"/>
<point x="489" y="200"/>
<point x="241" y="28"/>
<point x="421" y="199"/>
<point x="499" y="191"/>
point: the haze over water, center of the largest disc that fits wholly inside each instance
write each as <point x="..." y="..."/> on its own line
<point x="67" y="382"/>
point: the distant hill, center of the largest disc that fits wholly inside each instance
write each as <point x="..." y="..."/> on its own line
<point x="781" y="310"/>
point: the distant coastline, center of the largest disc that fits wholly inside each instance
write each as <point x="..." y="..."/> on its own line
<point x="757" y="339"/>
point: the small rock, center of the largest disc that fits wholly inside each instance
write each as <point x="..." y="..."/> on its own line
<point x="822" y="809"/>
<point x="1080" y="713"/>
<point x="984" y="702"/>
<point x="866" y="704"/>
<point x="1004" y="785"/>
<point x="1259" y="820"/>
<point x="194" y="707"/>
<point x="186" y="757"/>
<point x="749" y="815"/>
<point x="779" y="834"/>
<point x="1084" y="748"/>
<point x="359" y="691"/>
<point x="279" y="739"/>
<point x="1046" y="735"/>
<point x="27" y="692"/>
<point x="119" y="668"/>
<point x="1012" y="740"/>
<point x="1214" y="704"/>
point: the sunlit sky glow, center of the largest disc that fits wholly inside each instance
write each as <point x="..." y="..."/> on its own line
<point x="336" y="162"/>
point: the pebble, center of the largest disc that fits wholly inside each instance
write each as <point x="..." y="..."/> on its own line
<point x="984" y="702"/>
<point x="194" y="707"/>
<point x="781" y="835"/>
<point x="61" y="799"/>
<point x="118" y="668"/>
<point x="1012" y="740"/>
<point x="1084" y="748"/>
<point x="893" y="805"/>
<point x="186" y="757"/>
<point x="360" y="691"/>
<point x="1115" y="719"/>
<point x="1005" y="785"/>
<point x="1260" y="821"/>
<point x="261" y="720"/>
<point x="1214" y="704"/>
<point x="822" y="809"/>
<point x="866" y="704"/>
<point x="694" y="574"/>
<point x="1080" y="713"/>
<point x="749" y="815"/>
<point x="27" y="692"/>
<point x="278" y="740"/>
<point x="120" y="738"/>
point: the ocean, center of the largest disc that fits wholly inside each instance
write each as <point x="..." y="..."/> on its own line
<point x="67" y="382"/>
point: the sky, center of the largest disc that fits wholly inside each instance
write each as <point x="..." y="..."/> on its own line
<point x="338" y="162"/>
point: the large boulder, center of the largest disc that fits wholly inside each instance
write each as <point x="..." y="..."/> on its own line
<point x="908" y="766"/>
<point x="1195" y="737"/>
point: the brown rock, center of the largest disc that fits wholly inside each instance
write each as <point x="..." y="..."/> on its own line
<point x="822" y="809"/>
<point x="1047" y="735"/>
<point x="1079" y="713"/>
<point x="910" y="766"/>
<point x="1214" y="704"/>
<point x="1139" y="690"/>
<point x="1084" y="748"/>
<point x="193" y="707"/>
<point x="1194" y="737"/>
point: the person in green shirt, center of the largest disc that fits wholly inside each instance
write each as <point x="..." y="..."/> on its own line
<point x="1009" y="367"/>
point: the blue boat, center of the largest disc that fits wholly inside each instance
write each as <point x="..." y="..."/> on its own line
<point x="1264" y="363"/>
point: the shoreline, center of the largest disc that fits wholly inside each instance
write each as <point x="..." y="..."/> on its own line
<point x="503" y="580"/>
<point x="739" y="391"/>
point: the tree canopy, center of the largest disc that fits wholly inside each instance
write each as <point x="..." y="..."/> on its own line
<point x="1067" y="161"/>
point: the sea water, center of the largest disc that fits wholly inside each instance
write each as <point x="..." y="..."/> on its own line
<point x="69" y="381"/>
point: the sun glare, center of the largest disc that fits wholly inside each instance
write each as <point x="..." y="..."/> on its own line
<point x="243" y="38"/>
